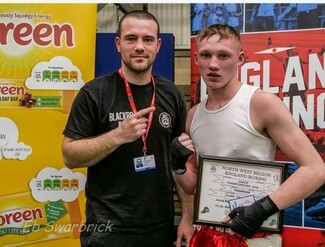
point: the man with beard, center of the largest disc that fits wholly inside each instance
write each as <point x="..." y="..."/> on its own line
<point x="120" y="128"/>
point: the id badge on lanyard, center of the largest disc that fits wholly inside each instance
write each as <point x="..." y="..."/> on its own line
<point x="145" y="162"/>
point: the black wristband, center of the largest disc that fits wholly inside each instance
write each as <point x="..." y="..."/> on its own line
<point x="179" y="155"/>
<point x="269" y="206"/>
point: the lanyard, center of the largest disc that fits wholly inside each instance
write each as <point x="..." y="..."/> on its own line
<point x="134" y="109"/>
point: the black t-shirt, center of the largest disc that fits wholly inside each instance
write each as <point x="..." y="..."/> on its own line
<point x="129" y="200"/>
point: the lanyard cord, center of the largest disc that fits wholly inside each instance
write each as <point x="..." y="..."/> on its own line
<point x="134" y="109"/>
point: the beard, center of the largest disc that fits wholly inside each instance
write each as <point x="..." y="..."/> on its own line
<point x="136" y="67"/>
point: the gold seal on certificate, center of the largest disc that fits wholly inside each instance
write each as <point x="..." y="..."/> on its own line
<point x="224" y="184"/>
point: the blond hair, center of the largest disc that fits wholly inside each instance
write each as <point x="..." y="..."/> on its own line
<point x="224" y="31"/>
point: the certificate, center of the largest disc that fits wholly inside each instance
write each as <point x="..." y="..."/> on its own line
<point x="224" y="184"/>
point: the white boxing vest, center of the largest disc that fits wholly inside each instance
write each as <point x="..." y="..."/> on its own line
<point x="228" y="132"/>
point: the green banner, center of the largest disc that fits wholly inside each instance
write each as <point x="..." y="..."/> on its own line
<point x="54" y="211"/>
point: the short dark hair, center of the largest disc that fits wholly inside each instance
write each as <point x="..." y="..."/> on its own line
<point x="138" y="14"/>
<point x="223" y="30"/>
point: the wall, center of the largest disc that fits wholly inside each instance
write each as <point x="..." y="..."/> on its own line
<point x="173" y="18"/>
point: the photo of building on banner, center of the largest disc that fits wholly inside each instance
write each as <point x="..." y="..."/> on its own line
<point x="259" y="17"/>
<point x="285" y="58"/>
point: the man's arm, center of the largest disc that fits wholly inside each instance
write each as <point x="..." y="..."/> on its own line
<point x="270" y="117"/>
<point x="187" y="179"/>
<point x="254" y="12"/>
<point x="185" y="183"/>
<point x="281" y="127"/>
<point x="185" y="228"/>
<point x="87" y="152"/>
